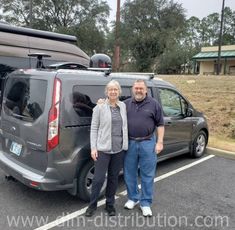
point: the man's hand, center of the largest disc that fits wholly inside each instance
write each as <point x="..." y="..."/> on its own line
<point x="160" y="135"/>
<point x="100" y="101"/>
<point x="94" y="154"/>
<point x="158" y="147"/>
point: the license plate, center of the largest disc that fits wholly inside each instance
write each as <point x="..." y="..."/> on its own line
<point x="16" y="148"/>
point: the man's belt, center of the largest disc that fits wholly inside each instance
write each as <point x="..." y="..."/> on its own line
<point x="141" y="138"/>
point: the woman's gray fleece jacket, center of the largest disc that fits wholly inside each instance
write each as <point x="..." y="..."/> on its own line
<point x="100" y="135"/>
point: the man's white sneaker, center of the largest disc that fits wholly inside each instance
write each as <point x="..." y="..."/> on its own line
<point x="130" y="204"/>
<point x="146" y="211"/>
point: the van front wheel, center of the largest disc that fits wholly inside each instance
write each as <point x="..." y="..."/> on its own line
<point x="199" y="145"/>
<point x="85" y="180"/>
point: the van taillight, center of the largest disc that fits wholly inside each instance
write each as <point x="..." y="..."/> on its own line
<point x="53" y="119"/>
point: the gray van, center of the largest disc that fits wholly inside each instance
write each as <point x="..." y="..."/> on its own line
<point x="45" y="127"/>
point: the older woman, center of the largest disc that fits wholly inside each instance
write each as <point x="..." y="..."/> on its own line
<point x="109" y="140"/>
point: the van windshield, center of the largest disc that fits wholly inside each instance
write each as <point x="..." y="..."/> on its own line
<point x="24" y="98"/>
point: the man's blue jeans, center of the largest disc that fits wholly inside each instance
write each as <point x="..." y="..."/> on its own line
<point x="140" y="154"/>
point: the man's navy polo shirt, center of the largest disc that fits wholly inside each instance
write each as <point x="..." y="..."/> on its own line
<point x="143" y="117"/>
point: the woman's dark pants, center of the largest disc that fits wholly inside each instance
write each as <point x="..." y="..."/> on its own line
<point x="112" y="164"/>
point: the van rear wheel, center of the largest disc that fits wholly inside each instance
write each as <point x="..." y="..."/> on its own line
<point x="199" y="145"/>
<point x="85" y="180"/>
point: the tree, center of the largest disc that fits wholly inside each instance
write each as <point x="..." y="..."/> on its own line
<point x="212" y="25"/>
<point x="90" y="38"/>
<point x="53" y="14"/>
<point x="147" y="26"/>
<point x="229" y="27"/>
<point x="192" y="32"/>
<point x="205" y="32"/>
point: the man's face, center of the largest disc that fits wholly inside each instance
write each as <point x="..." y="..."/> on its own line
<point x="139" y="91"/>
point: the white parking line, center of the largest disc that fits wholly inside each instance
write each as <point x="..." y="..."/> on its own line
<point x="182" y="168"/>
<point x="102" y="202"/>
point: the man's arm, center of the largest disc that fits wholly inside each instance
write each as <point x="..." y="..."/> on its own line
<point x="160" y="135"/>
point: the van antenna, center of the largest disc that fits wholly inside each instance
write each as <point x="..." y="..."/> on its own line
<point x="39" y="57"/>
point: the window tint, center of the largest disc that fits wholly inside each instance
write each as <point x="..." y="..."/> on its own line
<point x="172" y="103"/>
<point x="4" y="70"/>
<point x="86" y="97"/>
<point x="25" y="98"/>
<point x="149" y="92"/>
<point x="126" y="93"/>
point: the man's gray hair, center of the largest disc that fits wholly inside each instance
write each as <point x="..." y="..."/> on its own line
<point x="141" y="80"/>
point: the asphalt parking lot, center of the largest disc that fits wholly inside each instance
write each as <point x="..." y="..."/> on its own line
<point x="189" y="194"/>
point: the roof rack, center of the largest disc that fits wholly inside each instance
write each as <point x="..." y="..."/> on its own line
<point x="107" y="71"/>
<point x="66" y="65"/>
<point x="39" y="57"/>
<point x="133" y="75"/>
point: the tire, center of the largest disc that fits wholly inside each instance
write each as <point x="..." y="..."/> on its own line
<point x="85" y="179"/>
<point x="199" y="145"/>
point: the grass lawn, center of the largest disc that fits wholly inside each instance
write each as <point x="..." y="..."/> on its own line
<point x="215" y="97"/>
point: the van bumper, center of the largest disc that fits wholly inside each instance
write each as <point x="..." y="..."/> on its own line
<point x="36" y="180"/>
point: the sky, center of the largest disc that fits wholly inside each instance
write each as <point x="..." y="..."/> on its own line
<point x="198" y="8"/>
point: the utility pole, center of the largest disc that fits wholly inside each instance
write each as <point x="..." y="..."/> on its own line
<point x="117" y="39"/>
<point x="30" y="13"/>
<point x="220" y="39"/>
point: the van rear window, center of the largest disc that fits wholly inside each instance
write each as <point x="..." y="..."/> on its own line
<point x="24" y="98"/>
<point x="85" y="98"/>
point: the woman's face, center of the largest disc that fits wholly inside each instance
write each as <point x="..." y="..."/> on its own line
<point x="113" y="92"/>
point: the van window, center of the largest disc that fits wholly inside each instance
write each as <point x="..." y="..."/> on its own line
<point x="172" y="103"/>
<point x="25" y="98"/>
<point x="4" y="70"/>
<point x="126" y="93"/>
<point x="85" y="98"/>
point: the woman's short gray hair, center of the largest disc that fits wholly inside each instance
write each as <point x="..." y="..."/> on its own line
<point x="113" y="83"/>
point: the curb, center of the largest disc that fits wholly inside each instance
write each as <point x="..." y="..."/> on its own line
<point x="220" y="152"/>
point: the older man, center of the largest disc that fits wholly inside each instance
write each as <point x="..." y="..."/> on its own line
<point x="146" y="132"/>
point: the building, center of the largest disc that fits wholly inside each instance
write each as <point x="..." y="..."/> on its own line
<point x="205" y="62"/>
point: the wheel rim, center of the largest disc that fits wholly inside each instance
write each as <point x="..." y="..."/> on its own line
<point x="89" y="180"/>
<point x="200" y="143"/>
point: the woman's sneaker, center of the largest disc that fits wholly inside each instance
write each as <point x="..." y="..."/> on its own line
<point x="130" y="204"/>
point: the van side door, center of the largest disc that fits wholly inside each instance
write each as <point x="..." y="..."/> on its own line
<point x="178" y="126"/>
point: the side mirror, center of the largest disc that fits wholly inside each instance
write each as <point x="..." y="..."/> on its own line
<point x="189" y="112"/>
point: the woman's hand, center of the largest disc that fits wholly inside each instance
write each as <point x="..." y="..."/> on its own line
<point x="94" y="154"/>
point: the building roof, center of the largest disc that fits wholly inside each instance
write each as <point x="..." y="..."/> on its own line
<point x="213" y="55"/>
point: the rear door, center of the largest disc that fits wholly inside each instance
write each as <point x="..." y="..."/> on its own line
<point x="26" y="102"/>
